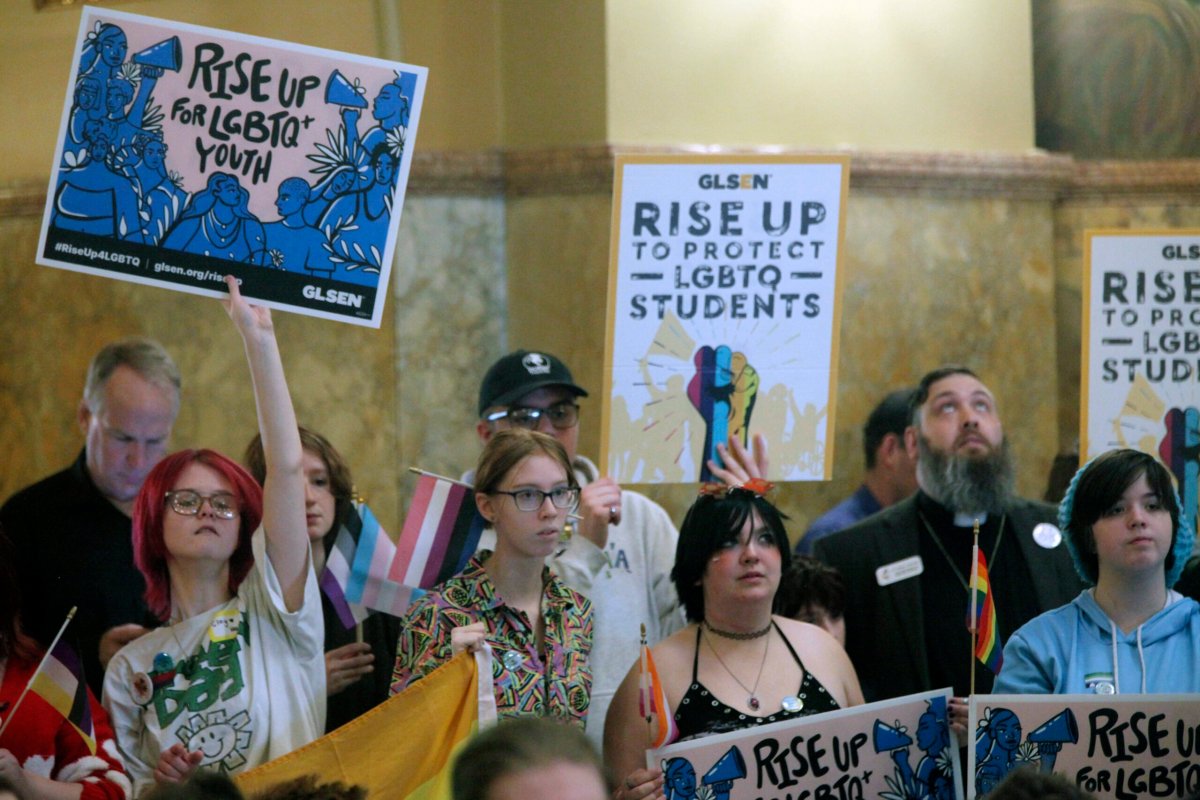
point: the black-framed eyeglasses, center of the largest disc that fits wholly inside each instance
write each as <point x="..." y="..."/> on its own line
<point x="532" y="499"/>
<point x="189" y="502"/>
<point x="561" y="415"/>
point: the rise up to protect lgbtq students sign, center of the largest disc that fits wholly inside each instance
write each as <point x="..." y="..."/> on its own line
<point x="186" y="153"/>
<point x="1141" y="350"/>
<point x="723" y="313"/>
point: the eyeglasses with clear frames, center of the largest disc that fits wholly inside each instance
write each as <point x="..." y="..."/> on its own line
<point x="532" y="499"/>
<point x="189" y="502"/>
<point x="561" y="415"/>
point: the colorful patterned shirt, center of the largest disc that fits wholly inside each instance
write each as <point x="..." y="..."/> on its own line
<point x="526" y="683"/>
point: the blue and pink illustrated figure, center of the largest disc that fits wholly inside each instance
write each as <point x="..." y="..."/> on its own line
<point x="352" y="205"/>
<point x="679" y="777"/>
<point x="104" y="184"/>
<point x="723" y="390"/>
<point x="999" y="749"/>
<point x="1180" y="452"/>
<point x="933" y="778"/>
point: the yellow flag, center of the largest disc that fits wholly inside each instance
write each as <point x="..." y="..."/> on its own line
<point x="402" y="748"/>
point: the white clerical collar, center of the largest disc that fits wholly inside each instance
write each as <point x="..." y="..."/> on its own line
<point x="962" y="520"/>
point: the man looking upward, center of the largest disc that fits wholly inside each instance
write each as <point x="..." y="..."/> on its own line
<point x="907" y="567"/>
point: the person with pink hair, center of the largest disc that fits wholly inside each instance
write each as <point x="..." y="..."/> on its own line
<point x="236" y="677"/>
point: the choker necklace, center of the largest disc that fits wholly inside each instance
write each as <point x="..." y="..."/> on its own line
<point x="739" y="637"/>
<point x="751" y="701"/>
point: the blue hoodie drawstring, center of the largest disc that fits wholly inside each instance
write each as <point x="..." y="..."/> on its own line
<point x="1112" y="633"/>
<point x="1141" y="658"/>
<point x="1112" y="637"/>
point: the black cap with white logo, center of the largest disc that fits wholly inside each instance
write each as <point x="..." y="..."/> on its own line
<point x="517" y="374"/>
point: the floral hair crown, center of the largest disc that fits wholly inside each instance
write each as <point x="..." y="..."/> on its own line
<point x="755" y="486"/>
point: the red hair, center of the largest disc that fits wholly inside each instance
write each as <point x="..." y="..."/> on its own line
<point x="149" y="549"/>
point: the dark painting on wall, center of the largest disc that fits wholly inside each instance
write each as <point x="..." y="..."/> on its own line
<point x="1117" y="79"/>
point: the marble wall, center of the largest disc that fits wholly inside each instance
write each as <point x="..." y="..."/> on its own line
<point x="948" y="257"/>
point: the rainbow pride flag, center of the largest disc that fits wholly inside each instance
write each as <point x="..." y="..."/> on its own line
<point x="59" y="681"/>
<point x="983" y="623"/>
<point x="402" y="748"/>
<point x="441" y="533"/>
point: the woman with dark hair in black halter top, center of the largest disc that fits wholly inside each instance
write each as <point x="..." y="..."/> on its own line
<point x="736" y="665"/>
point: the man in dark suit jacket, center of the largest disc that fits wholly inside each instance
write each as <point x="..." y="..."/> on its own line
<point x="907" y="567"/>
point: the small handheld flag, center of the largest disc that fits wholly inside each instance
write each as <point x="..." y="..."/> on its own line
<point x="440" y="534"/>
<point x="652" y="701"/>
<point x="59" y="681"/>
<point x="981" y="619"/>
<point x="355" y="577"/>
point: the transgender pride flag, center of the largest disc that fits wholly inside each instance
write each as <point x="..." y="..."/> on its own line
<point x="355" y="576"/>
<point x="440" y="533"/>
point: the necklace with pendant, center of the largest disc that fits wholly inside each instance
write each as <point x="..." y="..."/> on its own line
<point x="752" y="700"/>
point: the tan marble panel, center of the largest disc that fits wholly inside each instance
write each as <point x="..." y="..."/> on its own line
<point x="448" y="291"/>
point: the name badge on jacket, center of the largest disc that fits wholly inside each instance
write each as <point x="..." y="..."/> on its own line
<point x="900" y="570"/>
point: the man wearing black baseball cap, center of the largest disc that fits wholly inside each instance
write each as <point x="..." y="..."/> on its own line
<point x="622" y="548"/>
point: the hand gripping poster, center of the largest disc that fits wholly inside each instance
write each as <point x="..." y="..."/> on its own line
<point x="186" y="153"/>
<point x="1141" y="350"/>
<point x="899" y="749"/>
<point x="1111" y="746"/>
<point x="723" y="313"/>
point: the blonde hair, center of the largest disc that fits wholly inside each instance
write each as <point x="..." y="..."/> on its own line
<point x="508" y="448"/>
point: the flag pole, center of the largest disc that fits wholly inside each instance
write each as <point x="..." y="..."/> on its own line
<point x="434" y="475"/>
<point x="426" y="473"/>
<point x="41" y="665"/>
<point x="646" y="691"/>
<point x="973" y="586"/>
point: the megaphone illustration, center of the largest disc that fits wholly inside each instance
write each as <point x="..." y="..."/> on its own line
<point x="729" y="768"/>
<point x="888" y="738"/>
<point x="167" y="54"/>
<point x="341" y="92"/>
<point x="1052" y="734"/>
<point x="1060" y="728"/>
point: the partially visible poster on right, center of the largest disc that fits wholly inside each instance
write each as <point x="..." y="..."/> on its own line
<point x="1140" y="367"/>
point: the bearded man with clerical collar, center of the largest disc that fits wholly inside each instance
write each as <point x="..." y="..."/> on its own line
<point x="907" y="567"/>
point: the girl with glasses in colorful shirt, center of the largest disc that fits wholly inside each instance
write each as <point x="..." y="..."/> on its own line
<point x="540" y="631"/>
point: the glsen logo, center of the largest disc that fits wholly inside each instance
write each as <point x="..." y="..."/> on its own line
<point x="333" y="297"/>
<point x="734" y="181"/>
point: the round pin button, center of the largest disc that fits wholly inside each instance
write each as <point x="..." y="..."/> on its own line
<point x="163" y="662"/>
<point x="141" y="689"/>
<point x="512" y="660"/>
<point x="791" y="704"/>
<point x="1047" y="535"/>
<point x="1105" y="687"/>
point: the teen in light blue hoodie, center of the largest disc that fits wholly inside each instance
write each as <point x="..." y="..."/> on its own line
<point x="1130" y="632"/>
